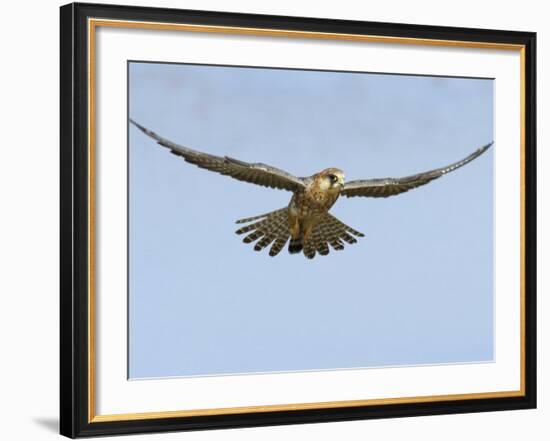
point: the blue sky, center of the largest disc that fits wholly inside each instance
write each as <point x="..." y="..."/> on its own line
<point x="417" y="289"/>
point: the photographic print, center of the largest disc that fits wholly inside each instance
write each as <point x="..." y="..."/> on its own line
<point x="364" y="201"/>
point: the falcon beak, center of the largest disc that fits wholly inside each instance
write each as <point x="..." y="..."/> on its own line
<point x="341" y="182"/>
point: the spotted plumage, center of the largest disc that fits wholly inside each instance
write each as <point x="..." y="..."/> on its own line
<point x="305" y="223"/>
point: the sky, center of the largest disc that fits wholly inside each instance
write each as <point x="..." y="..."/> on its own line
<point x="416" y="290"/>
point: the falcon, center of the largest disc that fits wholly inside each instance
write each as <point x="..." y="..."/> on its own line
<point x="306" y="220"/>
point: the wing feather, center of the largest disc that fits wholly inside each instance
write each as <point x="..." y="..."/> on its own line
<point x="255" y="173"/>
<point x="384" y="187"/>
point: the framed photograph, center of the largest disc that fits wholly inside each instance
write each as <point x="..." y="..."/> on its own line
<point x="381" y="177"/>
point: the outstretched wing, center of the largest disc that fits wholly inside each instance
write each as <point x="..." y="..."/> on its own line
<point x="255" y="173"/>
<point x="384" y="187"/>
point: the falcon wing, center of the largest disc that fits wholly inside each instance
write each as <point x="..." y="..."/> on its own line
<point x="255" y="173"/>
<point x="384" y="187"/>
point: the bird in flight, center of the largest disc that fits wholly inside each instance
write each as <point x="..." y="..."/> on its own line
<point x="306" y="220"/>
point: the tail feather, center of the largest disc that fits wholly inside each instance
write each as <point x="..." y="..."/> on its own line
<point x="271" y="228"/>
<point x="250" y="227"/>
<point x="348" y="238"/>
<point x="255" y="235"/>
<point x="329" y="231"/>
<point x="260" y="216"/>
<point x="277" y="246"/>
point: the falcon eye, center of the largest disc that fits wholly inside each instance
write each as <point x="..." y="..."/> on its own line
<point x="333" y="178"/>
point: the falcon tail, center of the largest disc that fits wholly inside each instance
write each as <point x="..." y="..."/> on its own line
<point x="270" y="228"/>
<point x="273" y="229"/>
<point x="329" y="231"/>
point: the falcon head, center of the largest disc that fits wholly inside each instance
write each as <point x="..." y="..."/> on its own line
<point x="331" y="179"/>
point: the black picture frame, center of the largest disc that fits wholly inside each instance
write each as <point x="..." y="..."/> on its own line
<point x="76" y="419"/>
